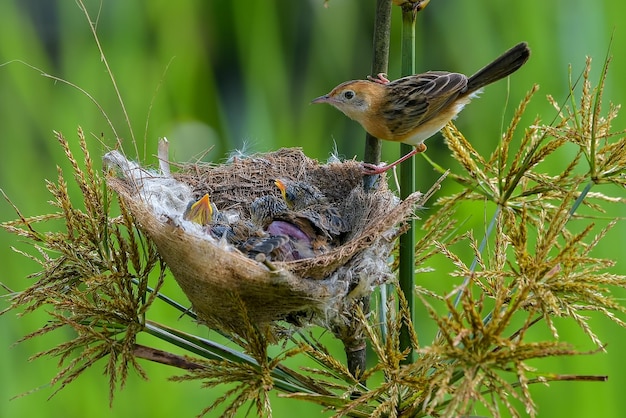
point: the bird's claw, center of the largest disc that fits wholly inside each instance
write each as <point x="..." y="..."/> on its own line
<point x="381" y="78"/>
<point x="373" y="169"/>
<point x="369" y="169"/>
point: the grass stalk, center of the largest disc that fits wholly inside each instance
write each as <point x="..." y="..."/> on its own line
<point x="357" y="359"/>
<point x="380" y="64"/>
<point x="407" y="182"/>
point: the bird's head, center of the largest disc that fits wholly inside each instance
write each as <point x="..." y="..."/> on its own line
<point x="299" y="195"/>
<point x="265" y="208"/>
<point x="286" y="192"/>
<point x="356" y="99"/>
<point x="200" y="212"/>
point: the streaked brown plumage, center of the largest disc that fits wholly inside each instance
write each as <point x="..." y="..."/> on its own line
<point x="300" y="239"/>
<point x="285" y="229"/>
<point x="412" y="109"/>
<point x="308" y="201"/>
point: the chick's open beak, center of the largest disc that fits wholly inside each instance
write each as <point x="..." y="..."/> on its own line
<point x="200" y="212"/>
<point x="282" y="187"/>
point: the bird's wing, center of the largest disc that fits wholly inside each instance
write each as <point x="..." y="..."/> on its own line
<point x="263" y="245"/>
<point x="326" y="219"/>
<point x="414" y="100"/>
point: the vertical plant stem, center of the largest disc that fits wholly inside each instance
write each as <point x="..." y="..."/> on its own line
<point x="380" y="64"/>
<point x="407" y="183"/>
<point x="355" y="344"/>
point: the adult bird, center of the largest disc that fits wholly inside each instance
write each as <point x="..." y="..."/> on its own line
<point x="414" y="108"/>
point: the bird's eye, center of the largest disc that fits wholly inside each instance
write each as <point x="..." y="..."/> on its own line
<point x="348" y="94"/>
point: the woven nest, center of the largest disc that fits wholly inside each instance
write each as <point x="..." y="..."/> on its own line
<point x="227" y="288"/>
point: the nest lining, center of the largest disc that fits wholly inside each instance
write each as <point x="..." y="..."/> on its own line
<point x="221" y="282"/>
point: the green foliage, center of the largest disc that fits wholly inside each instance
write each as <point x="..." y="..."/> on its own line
<point x="245" y="71"/>
<point x="94" y="276"/>
<point x="98" y="286"/>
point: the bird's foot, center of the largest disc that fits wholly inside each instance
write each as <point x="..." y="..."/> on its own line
<point x="369" y="169"/>
<point x="381" y="78"/>
<point x="373" y="169"/>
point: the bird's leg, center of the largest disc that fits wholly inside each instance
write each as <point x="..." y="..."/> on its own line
<point x="381" y="78"/>
<point x="372" y="169"/>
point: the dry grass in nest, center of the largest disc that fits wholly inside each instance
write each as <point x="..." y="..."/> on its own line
<point x="219" y="280"/>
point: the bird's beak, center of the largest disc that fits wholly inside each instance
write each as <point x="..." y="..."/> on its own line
<point x="282" y="187"/>
<point x="321" y="99"/>
<point x="200" y="212"/>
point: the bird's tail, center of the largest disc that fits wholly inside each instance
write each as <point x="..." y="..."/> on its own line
<point x="504" y="65"/>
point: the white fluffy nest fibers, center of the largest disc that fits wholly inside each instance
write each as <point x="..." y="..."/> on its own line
<point x="228" y="287"/>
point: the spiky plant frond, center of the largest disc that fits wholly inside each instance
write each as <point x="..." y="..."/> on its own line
<point x="94" y="275"/>
<point x="533" y="265"/>
<point x="100" y="277"/>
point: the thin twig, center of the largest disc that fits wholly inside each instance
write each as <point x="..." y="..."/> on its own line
<point x="164" y="357"/>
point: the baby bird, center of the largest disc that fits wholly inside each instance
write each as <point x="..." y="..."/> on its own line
<point x="217" y="224"/>
<point x="299" y="195"/>
<point x="201" y="211"/>
<point x="289" y="237"/>
<point x="412" y="109"/>
<point x="308" y="201"/>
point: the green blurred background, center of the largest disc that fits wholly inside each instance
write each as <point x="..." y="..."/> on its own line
<point x="227" y="74"/>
